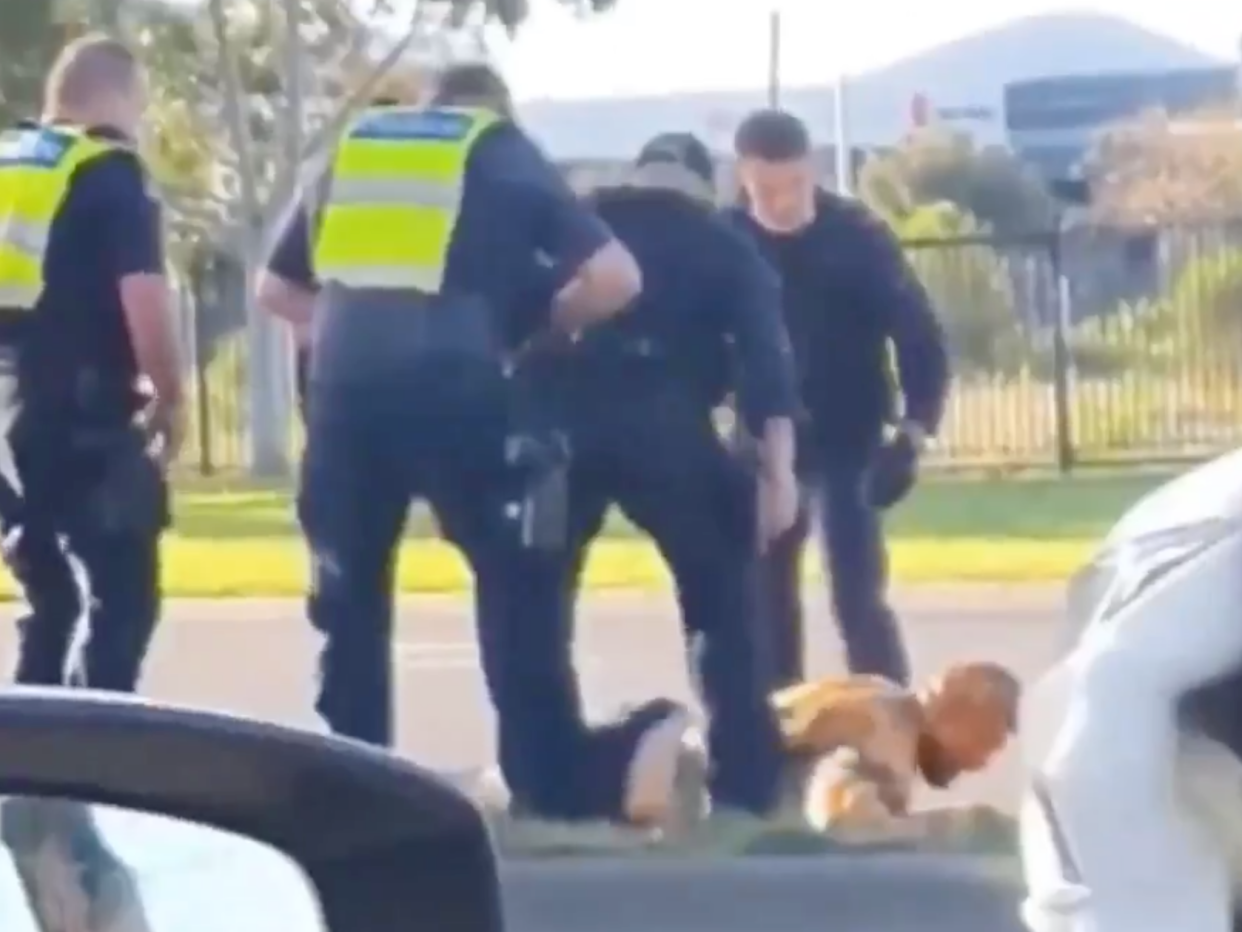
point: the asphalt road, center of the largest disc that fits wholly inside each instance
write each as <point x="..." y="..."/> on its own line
<point x="847" y="893"/>
<point x="258" y="658"/>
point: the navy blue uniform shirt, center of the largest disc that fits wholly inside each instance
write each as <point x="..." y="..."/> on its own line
<point x="108" y="227"/>
<point x="848" y="292"/>
<point x="709" y="301"/>
<point x="521" y="233"/>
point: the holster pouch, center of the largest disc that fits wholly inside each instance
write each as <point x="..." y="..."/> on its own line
<point x="542" y="461"/>
<point x="538" y="448"/>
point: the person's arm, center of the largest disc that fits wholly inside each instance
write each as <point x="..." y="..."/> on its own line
<point x="767" y="391"/>
<point x="894" y="291"/>
<point x="604" y="285"/>
<point x="287" y="286"/>
<point x="593" y="276"/>
<point x="133" y="235"/>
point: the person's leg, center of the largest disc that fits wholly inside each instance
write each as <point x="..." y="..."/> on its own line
<point x="1115" y="755"/>
<point x="66" y="867"/>
<point x="123" y="579"/>
<point x="524" y="615"/>
<point x="56" y="602"/>
<point x="780" y="603"/>
<point x="627" y="767"/>
<point x="56" y="606"/>
<point x="1116" y="751"/>
<point x="856" y="559"/>
<point x="352" y="504"/>
<point x="699" y="508"/>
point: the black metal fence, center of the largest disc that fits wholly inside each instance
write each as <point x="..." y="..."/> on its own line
<point x="1092" y="346"/>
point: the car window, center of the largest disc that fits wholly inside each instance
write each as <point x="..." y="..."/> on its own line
<point x="131" y="870"/>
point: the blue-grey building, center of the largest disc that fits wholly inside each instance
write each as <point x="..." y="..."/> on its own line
<point x="1052" y="122"/>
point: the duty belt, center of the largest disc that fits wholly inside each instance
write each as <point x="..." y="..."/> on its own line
<point x="360" y="334"/>
<point x="632" y="348"/>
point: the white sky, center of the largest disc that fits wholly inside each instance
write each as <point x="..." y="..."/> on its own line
<point x="651" y="46"/>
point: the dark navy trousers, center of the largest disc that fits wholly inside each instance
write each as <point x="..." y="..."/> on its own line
<point x="112" y="630"/>
<point x="437" y="435"/>
<point x="90" y="623"/>
<point x="656" y="456"/>
<point x="856" y="566"/>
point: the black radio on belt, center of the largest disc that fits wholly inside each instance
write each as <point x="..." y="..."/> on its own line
<point x="538" y="448"/>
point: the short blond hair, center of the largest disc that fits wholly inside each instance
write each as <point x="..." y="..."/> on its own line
<point x="88" y="66"/>
<point x="472" y="84"/>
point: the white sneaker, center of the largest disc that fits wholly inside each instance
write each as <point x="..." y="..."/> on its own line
<point x="691" y="803"/>
<point x="652" y="779"/>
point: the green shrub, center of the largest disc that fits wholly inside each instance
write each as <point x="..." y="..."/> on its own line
<point x="970" y="287"/>
<point x="1203" y="317"/>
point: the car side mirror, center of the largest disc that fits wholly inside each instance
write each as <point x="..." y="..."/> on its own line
<point x="120" y="812"/>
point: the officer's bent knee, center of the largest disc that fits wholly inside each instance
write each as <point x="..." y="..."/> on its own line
<point x="1116" y="721"/>
<point x="1119" y="679"/>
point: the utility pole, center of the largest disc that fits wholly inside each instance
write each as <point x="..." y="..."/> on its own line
<point x="841" y="135"/>
<point x="1238" y="66"/>
<point x="775" y="29"/>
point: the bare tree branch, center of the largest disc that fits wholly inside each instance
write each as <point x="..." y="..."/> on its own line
<point x="287" y="180"/>
<point x="294" y="78"/>
<point x="274" y="132"/>
<point x="234" y="113"/>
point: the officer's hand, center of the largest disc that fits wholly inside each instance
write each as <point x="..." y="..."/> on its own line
<point x="896" y="467"/>
<point x="779" y="502"/>
<point x="167" y="426"/>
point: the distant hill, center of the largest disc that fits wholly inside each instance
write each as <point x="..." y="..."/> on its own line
<point x="967" y="72"/>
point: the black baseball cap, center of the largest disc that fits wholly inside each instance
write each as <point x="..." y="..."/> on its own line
<point x="683" y="149"/>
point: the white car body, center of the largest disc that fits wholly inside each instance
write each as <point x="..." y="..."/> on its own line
<point x="1133" y="818"/>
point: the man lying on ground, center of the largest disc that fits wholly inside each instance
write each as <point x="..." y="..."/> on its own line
<point x="860" y="745"/>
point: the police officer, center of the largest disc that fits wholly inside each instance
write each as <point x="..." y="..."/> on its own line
<point x="429" y="223"/>
<point x="84" y="317"/>
<point x="301" y="337"/>
<point x="848" y="295"/>
<point x="636" y="397"/>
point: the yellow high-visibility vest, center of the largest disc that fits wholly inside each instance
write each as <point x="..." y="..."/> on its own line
<point x="37" y="167"/>
<point x="395" y="196"/>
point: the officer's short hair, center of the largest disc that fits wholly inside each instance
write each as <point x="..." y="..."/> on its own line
<point x="472" y="84"/>
<point x="772" y="136"/>
<point x="395" y="89"/>
<point x="86" y="67"/>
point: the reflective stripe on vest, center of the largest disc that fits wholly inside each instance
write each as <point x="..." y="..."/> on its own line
<point x="395" y="197"/>
<point x="37" y="166"/>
